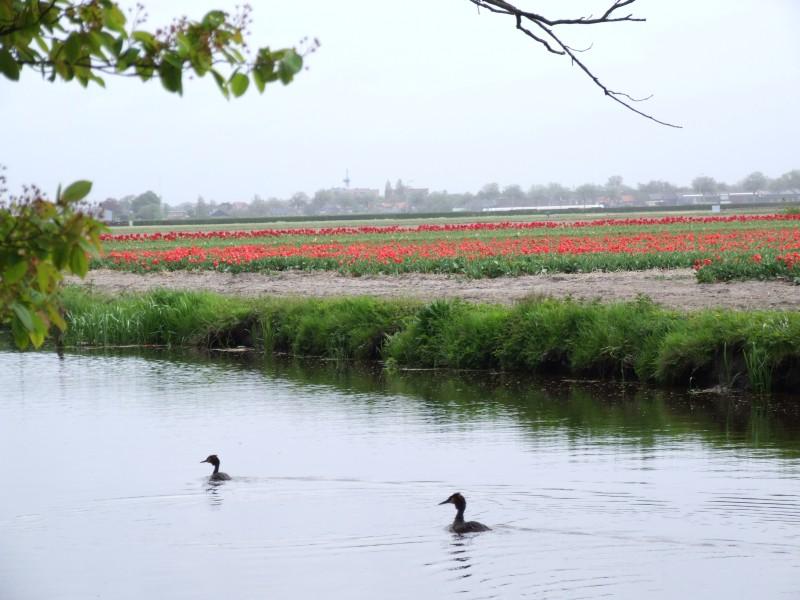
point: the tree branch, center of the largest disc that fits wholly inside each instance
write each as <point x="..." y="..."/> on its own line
<point x="555" y="45"/>
<point x="14" y="28"/>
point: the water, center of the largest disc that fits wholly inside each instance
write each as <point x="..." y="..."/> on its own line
<point x="591" y="491"/>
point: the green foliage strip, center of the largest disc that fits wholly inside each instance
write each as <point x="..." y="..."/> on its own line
<point x="40" y="239"/>
<point x="635" y="340"/>
<point x="74" y="40"/>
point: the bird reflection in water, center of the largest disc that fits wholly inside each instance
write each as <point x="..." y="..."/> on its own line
<point x="213" y="491"/>
<point x="462" y="560"/>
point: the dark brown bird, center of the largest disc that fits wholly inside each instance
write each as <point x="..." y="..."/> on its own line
<point x="217" y="475"/>
<point x="459" y="525"/>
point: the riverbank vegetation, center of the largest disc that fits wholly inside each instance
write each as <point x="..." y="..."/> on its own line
<point x="718" y="247"/>
<point x="634" y="340"/>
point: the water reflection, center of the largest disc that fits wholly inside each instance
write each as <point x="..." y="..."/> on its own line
<point x="591" y="490"/>
<point x="630" y="413"/>
<point x="459" y="554"/>
<point x="213" y="492"/>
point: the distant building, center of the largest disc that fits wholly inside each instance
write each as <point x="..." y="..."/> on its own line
<point x="339" y="192"/>
<point x="403" y="192"/>
<point x="542" y="207"/>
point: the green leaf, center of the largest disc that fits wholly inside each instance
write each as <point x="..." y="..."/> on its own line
<point x="21" y="338"/>
<point x="118" y="43"/>
<point x="146" y="39"/>
<point x="23" y="315"/>
<point x="171" y="77"/>
<point x="60" y="255"/>
<point x="289" y="65"/>
<point x="98" y="80"/>
<point x="174" y="59"/>
<point x="201" y="61"/>
<point x="145" y="72"/>
<point x="127" y="59"/>
<point x="41" y="43"/>
<point x="56" y="318"/>
<point x="44" y="275"/>
<point x="258" y="79"/>
<point x="15" y="272"/>
<point x="214" y="19"/>
<point x="114" y="18"/>
<point x="39" y="330"/>
<point x="184" y="45"/>
<point x="88" y="247"/>
<point x="293" y="61"/>
<point x="77" y="191"/>
<point x="95" y="42"/>
<point x="8" y="66"/>
<point x="110" y="43"/>
<point x="72" y="47"/>
<point x="78" y="263"/>
<point x="37" y="337"/>
<point x="239" y="84"/>
<point x="223" y="85"/>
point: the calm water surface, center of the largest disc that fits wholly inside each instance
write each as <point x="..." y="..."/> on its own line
<point x="592" y="492"/>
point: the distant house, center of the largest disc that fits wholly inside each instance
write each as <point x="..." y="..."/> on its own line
<point x="175" y="214"/>
<point x="354" y="192"/>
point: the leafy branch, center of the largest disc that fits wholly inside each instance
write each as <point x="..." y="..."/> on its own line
<point x="84" y="40"/>
<point x="41" y="240"/>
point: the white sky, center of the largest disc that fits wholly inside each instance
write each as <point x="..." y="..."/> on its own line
<point x="437" y="94"/>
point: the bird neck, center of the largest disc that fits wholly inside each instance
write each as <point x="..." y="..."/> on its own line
<point x="460" y="515"/>
<point x="216" y="468"/>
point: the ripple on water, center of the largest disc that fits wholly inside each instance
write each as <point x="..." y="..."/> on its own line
<point x="336" y="484"/>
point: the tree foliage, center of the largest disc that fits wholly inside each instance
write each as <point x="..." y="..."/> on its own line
<point x="84" y="40"/>
<point x="41" y="240"/>
<point x="704" y="184"/>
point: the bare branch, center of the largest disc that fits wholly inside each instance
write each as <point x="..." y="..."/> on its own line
<point x="555" y="45"/>
<point x="542" y="41"/>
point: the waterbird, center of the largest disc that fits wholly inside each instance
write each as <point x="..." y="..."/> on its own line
<point x="459" y="525"/>
<point x="216" y="475"/>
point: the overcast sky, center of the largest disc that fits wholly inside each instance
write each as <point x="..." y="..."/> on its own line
<point x="436" y="93"/>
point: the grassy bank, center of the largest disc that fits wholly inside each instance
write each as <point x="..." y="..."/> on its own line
<point x="633" y="340"/>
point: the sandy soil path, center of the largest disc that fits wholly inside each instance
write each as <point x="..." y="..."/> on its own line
<point x="674" y="289"/>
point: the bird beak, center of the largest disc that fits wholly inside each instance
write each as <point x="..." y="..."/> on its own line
<point x="445" y="502"/>
<point x="202" y="461"/>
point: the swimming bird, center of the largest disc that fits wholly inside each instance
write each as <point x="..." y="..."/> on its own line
<point x="459" y="525"/>
<point x="216" y="475"/>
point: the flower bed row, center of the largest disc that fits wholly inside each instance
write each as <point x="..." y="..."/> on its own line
<point x="505" y="256"/>
<point x="386" y="230"/>
<point x="749" y="266"/>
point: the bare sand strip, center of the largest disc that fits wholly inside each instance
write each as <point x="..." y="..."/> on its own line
<point x="674" y="288"/>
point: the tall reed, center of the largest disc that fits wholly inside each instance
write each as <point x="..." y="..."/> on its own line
<point x="758" y="350"/>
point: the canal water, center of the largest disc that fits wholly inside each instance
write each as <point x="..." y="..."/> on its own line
<point x="591" y="491"/>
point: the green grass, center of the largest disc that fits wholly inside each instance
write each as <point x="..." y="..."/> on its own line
<point x="632" y="340"/>
<point x="351" y="328"/>
<point x="156" y="318"/>
<point x="772" y="264"/>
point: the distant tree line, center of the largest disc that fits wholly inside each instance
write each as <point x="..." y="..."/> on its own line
<point x="402" y="198"/>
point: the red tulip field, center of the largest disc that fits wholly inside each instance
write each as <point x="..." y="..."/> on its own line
<point x="717" y="247"/>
